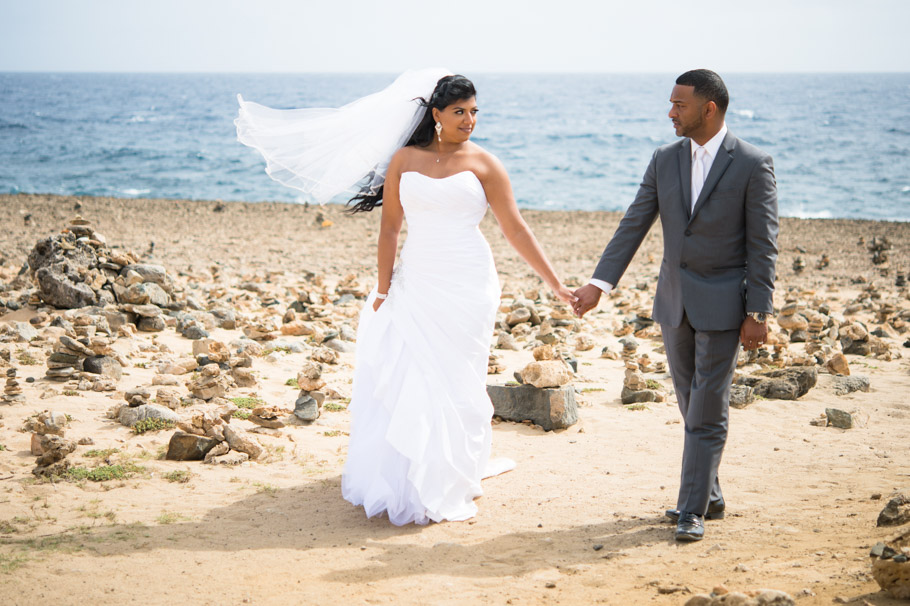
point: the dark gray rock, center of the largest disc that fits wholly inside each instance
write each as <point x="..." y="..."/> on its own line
<point x="640" y="396"/>
<point x="103" y="365"/>
<point x="156" y="324"/>
<point x="782" y="384"/>
<point x="226" y="318"/>
<point x="839" y="418"/>
<point x="551" y="408"/>
<point x="150" y="273"/>
<point x="799" y="336"/>
<point x="306" y="408"/>
<point x="115" y="319"/>
<point x="845" y="385"/>
<point x="194" y="331"/>
<point x="55" y="262"/>
<point x="896" y="512"/>
<point x="137" y="396"/>
<point x="857" y="348"/>
<point x="188" y="447"/>
<point x="741" y="396"/>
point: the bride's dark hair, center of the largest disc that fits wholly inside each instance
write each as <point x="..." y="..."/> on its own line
<point x="449" y="89"/>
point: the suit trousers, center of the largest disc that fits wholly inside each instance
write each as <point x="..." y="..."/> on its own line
<point x="702" y="365"/>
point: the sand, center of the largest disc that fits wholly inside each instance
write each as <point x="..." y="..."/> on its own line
<point x="579" y="521"/>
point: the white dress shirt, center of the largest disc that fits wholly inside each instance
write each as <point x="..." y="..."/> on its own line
<point x="711" y="148"/>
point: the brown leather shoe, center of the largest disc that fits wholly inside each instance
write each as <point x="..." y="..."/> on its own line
<point x="715" y="511"/>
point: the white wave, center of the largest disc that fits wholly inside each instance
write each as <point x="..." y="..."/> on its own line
<point x="905" y="189"/>
<point x="134" y="192"/>
<point x="137" y="118"/>
<point x="803" y="213"/>
<point x="745" y="113"/>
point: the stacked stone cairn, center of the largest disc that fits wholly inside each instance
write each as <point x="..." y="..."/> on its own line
<point x="49" y="444"/>
<point x="12" y="393"/>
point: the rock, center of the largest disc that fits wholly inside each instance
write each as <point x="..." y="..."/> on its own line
<point x="838" y="365"/>
<point x="630" y="396"/>
<point x="839" y="418"/>
<point x="890" y="566"/>
<point x="231" y="458"/>
<point x="793" y="322"/>
<point x="506" y="341"/>
<point x="309" y="377"/>
<point x="340" y="346"/>
<point x="896" y="512"/>
<point x="138" y="396"/>
<point x="762" y="597"/>
<point x="129" y="416"/>
<point x="546" y="373"/>
<point x="845" y="385"/>
<point x="241" y="442"/>
<point x="145" y="294"/>
<point x="188" y="447"/>
<point x="741" y="396"/>
<point x="324" y="355"/>
<point x="552" y="408"/>
<point x="193" y="330"/>
<point x="48" y="423"/>
<point x="104" y="366"/>
<point x="168" y="397"/>
<point x="306" y="408"/>
<point x="517" y="316"/>
<point x="584" y="343"/>
<point x="243" y="377"/>
<point x="54" y="449"/>
<point x="544" y="352"/>
<point x="268" y="416"/>
<point x="58" y="263"/>
<point x="24" y="331"/>
<point x="155" y="324"/>
<point x="210" y="383"/>
<point x="296" y="328"/>
<point x="782" y="384"/>
<point x="219" y="449"/>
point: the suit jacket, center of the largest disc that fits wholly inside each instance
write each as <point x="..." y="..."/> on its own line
<point x="719" y="258"/>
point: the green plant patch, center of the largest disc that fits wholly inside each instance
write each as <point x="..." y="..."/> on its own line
<point x="26" y="359"/>
<point x="101" y="454"/>
<point x="103" y="473"/>
<point x="180" y="476"/>
<point x="334" y="407"/>
<point x="652" y="384"/>
<point x="637" y="407"/>
<point x="250" y="403"/>
<point x="241" y="414"/>
<point x="150" y="424"/>
<point x="292" y="383"/>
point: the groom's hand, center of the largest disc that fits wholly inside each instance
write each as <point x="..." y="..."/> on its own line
<point x="753" y="334"/>
<point x="588" y="297"/>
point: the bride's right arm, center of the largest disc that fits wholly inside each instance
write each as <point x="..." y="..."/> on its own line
<point x="390" y="227"/>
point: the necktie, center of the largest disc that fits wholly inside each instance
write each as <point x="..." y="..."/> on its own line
<point x="698" y="173"/>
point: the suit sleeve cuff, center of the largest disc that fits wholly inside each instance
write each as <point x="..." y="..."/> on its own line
<point x="604" y="286"/>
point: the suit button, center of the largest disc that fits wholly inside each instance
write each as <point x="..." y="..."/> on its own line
<point x="683" y="265"/>
<point x="688" y="232"/>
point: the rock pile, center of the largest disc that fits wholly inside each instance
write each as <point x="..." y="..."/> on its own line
<point x="208" y="436"/>
<point x="721" y="596"/>
<point x="48" y="443"/>
<point x="310" y="398"/>
<point x="891" y="566"/>
<point x="12" y="393"/>
<point x="635" y="389"/>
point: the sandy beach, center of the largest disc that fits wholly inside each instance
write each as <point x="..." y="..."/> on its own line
<point x="579" y="521"/>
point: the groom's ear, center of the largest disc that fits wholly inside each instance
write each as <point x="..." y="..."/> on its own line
<point x="710" y="109"/>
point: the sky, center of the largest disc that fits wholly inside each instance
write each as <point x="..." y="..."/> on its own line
<point x="470" y="36"/>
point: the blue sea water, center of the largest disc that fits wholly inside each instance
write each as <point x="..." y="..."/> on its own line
<point x="840" y="142"/>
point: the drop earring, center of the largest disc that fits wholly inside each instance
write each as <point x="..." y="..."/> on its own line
<point x="439" y="131"/>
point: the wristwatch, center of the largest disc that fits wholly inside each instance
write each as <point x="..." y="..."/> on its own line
<point x="758" y="316"/>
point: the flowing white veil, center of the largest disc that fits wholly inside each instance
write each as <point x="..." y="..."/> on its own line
<point x="324" y="151"/>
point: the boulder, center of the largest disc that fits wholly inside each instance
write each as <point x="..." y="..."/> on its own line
<point x="741" y="396"/>
<point x="551" y="408"/>
<point x="241" y="442"/>
<point x="896" y="512"/>
<point x="782" y="384"/>
<point x="837" y="365"/>
<point x="845" y="385"/>
<point x="546" y="373"/>
<point x="54" y="449"/>
<point x="104" y="366"/>
<point x="188" y="447"/>
<point x="129" y="416"/>
<point x="891" y="568"/>
<point x="839" y="418"/>
<point x="306" y="408"/>
<point x="639" y="396"/>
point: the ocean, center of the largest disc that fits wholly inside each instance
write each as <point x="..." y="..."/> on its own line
<point x="840" y="142"/>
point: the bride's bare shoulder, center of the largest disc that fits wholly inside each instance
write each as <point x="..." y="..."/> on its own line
<point x="488" y="164"/>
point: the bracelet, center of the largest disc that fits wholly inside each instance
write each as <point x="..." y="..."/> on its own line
<point x="379" y="295"/>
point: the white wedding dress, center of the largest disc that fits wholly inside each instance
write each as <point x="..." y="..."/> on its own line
<point x="420" y="431"/>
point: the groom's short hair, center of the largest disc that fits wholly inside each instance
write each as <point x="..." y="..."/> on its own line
<point x="708" y="85"/>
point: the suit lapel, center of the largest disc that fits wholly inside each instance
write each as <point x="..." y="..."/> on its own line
<point x="685" y="175"/>
<point x="721" y="162"/>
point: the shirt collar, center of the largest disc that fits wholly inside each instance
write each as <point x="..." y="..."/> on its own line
<point x="713" y="144"/>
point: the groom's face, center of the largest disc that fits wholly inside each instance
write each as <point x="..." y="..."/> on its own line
<point x="686" y="111"/>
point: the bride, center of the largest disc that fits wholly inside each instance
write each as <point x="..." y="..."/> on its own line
<point x="420" y="431"/>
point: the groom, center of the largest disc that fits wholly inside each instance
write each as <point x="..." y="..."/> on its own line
<point x="716" y="197"/>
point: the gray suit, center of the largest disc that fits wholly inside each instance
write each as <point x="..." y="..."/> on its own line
<point x="718" y="263"/>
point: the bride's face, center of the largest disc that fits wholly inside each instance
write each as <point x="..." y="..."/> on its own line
<point x="458" y="120"/>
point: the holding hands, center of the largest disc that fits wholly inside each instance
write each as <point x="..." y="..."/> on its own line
<point x="586" y="298"/>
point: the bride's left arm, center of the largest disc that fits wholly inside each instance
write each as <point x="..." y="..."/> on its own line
<point x="498" y="189"/>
